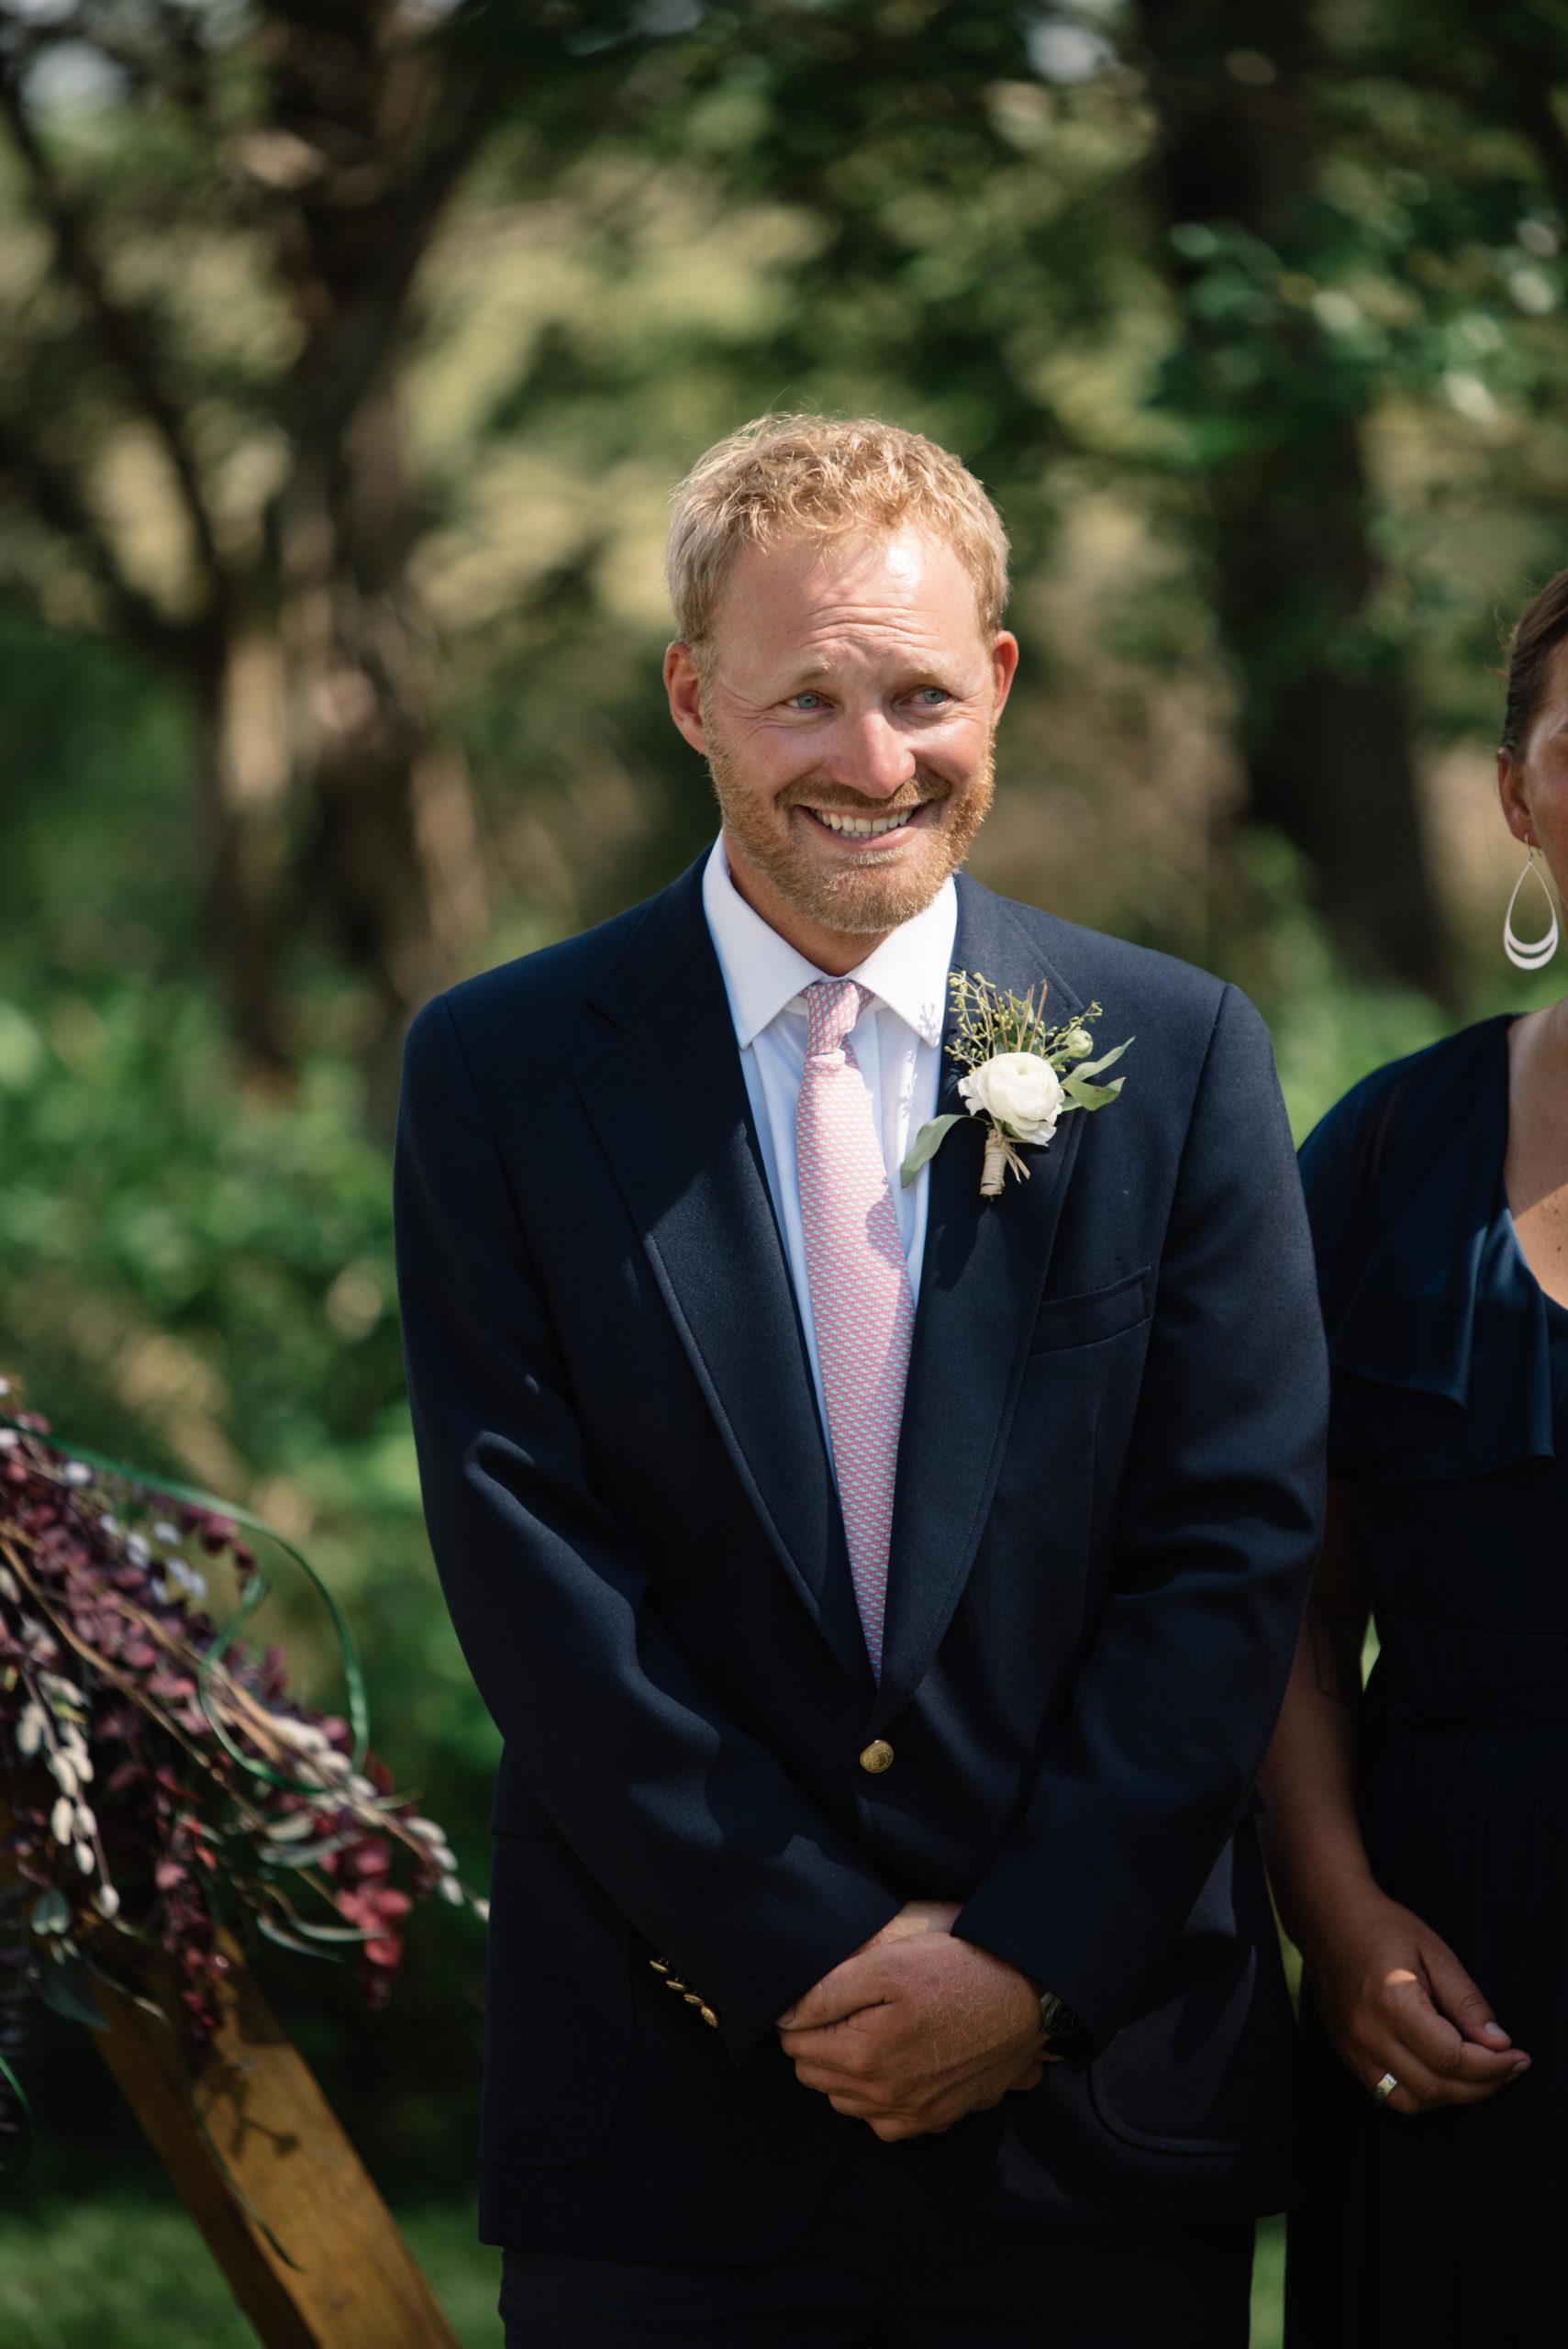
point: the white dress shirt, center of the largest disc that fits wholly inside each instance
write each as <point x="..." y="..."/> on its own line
<point x="896" y="1040"/>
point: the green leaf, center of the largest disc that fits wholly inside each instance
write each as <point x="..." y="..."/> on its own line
<point x="148" y="2006"/>
<point x="67" y="1989"/>
<point x="303" y="1855"/>
<point x="50" y="1910"/>
<point x="295" y="1823"/>
<point x="290" y="1941"/>
<point x="1092" y="1068"/>
<point x="928" y="1141"/>
<point x="335" y="1933"/>
<point x="1085" y="1096"/>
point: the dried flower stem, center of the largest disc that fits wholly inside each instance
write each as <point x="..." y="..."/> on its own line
<point x="1000" y="1154"/>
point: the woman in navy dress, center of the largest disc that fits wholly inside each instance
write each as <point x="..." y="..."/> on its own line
<point x="1417" y="1832"/>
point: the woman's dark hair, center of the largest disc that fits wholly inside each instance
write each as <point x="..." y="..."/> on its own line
<point x="1541" y="628"/>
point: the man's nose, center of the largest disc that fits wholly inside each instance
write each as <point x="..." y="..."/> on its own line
<point x="872" y="757"/>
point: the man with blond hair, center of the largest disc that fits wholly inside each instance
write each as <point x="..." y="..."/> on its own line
<point x="874" y="1470"/>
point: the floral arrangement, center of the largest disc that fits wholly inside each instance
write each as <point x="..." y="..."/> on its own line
<point x="160" y="1788"/>
<point x="1023" y="1077"/>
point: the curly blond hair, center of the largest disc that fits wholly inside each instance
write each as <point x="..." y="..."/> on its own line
<point x="781" y="475"/>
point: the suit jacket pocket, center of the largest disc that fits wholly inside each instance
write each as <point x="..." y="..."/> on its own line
<point x="558" y="2013"/>
<point x="1098" y="1313"/>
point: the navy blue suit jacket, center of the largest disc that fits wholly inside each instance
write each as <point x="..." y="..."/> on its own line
<point x="1107" y="1506"/>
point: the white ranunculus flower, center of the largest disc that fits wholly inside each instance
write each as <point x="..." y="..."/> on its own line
<point x="1021" y="1090"/>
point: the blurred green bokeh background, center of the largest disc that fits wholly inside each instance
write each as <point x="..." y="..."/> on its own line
<point x="348" y="353"/>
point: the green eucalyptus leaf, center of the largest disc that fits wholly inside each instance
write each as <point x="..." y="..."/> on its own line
<point x="302" y="1855"/>
<point x="1092" y="1068"/>
<point x="1085" y="1096"/>
<point x="334" y="1933"/>
<point x="50" y="1910"/>
<point x="148" y="2006"/>
<point x="928" y="1141"/>
<point x="286" y="1940"/>
<point x="66" y="1988"/>
<point x="296" y="1823"/>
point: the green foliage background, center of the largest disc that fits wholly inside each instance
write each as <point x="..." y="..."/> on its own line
<point x="671" y="227"/>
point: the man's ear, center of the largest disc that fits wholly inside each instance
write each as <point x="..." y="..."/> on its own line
<point x="683" y="685"/>
<point x="1004" y="668"/>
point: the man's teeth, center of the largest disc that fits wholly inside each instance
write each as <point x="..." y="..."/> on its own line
<point x="862" y="827"/>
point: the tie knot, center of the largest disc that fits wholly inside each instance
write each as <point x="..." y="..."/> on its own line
<point x="832" y="1007"/>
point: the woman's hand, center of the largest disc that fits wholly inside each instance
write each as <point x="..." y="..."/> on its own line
<point x="1393" y="1998"/>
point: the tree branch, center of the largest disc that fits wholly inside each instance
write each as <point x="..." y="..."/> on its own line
<point x="118" y="334"/>
<point x="379" y="308"/>
<point x="55" y="496"/>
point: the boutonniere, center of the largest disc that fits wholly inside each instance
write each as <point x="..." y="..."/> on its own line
<point x="1023" y="1077"/>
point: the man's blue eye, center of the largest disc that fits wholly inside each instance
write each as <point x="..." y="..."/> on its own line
<point x="933" y="696"/>
<point x="799" y="700"/>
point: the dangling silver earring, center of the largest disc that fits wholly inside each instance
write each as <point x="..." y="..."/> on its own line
<point x="1536" y="955"/>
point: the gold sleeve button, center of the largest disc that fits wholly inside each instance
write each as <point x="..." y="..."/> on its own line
<point x="877" y="1756"/>
<point x="710" y="2018"/>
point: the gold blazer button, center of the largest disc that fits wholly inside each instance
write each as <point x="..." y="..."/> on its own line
<point x="710" y="2018"/>
<point x="877" y="1756"/>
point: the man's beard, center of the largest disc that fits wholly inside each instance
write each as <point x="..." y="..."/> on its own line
<point x="855" y="900"/>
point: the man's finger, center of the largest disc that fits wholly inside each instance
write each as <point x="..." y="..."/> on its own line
<point x="842" y="1993"/>
<point x="834" y="2079"/>
<point x="848" y="2044"/>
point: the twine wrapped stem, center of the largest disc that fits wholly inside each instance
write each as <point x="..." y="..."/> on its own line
<point x="1000" y="1153"/>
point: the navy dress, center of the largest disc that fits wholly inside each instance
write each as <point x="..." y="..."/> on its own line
<point x="1450" y="1417"/>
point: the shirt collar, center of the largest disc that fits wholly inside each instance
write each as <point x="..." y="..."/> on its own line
<point x="763" y="974"/>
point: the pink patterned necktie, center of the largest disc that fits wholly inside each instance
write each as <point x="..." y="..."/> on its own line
<point x="860" y="1301"/>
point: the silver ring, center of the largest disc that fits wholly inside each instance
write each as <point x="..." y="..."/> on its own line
<point x="1385" y="2087"/>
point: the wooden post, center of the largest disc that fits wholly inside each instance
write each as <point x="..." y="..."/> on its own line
<point x="355" y="2285"/>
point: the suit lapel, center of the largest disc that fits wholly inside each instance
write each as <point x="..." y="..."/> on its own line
<point x="982" y="1276"/>
<point x="669" y="1103"/>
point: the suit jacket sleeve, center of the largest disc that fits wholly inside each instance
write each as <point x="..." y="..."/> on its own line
<point x="1219" y="1527"/>
<point x="689" y="1824"/>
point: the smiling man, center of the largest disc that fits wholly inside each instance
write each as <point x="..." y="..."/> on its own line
<point x="884" y="1592"/>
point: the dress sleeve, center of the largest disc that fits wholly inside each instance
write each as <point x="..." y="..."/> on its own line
<point x="1418" y="1274"/>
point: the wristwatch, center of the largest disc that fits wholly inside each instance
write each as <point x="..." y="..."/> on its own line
<point x="1069" y="2038"/>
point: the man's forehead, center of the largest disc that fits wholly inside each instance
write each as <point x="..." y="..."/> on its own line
<point x="851" y="640"/>
<point x="904" y="559"/>
<point x="816" y="604"/>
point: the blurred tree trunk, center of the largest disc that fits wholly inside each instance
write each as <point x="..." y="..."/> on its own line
<point x="392" y="860"/>
<point x="327" y="798"/>
<point x="373" y="139"/>
<point x="1325" y="719"/>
